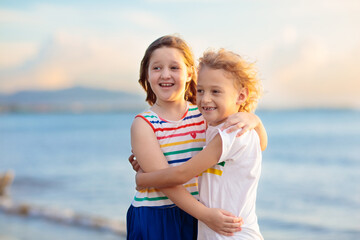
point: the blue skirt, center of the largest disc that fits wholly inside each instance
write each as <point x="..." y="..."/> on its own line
<point x="160" y="223"/>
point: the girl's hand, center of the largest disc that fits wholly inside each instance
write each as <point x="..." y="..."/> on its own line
<point x="222" y="222"/>
<point x="243" y="120"/>
<point x="140" y="171"/>
<point x="135" y="165"/>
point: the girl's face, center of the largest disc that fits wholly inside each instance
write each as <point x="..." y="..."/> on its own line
<point x="168" y="74"/>
<point x="217" y="97"/>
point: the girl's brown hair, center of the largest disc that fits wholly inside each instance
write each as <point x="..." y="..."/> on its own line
<point x="171" y="42"/>
<point x="244" y="74"/>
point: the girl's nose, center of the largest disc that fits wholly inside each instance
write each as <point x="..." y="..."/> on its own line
<point x="165" y="73"/>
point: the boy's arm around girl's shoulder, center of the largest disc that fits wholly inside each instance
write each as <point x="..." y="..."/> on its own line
<point x="173" y="176"/>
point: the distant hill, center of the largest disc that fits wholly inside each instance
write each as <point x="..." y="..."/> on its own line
<point x="76" y="99"/>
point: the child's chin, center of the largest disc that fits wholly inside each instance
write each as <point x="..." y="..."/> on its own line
<point x="213" y="123"/>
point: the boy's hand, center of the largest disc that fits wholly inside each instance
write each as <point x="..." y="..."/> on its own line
<point x="222" y="222"/>
<point x="243" y="120"/>
<point x="140" y="171"/>
<point x="135" y="165"/>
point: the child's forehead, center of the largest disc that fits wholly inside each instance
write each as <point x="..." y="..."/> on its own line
<point x="159" y="52"/>
<point x="215" y="77"/>
<point x="164" y="54"/>
<point x="208" y="73"/>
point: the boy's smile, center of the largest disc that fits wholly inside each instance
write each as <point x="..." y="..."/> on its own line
<point x="217" y="97"/>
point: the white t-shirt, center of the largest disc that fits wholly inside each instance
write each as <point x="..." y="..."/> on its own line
<point x="232" y="183"/>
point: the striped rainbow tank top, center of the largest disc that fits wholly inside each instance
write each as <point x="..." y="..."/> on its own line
<point x="179" y="141"/>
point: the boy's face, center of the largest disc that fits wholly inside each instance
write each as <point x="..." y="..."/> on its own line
<point x="217" y="97"/>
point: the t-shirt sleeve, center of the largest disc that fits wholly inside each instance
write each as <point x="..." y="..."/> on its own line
<point x="229" y="149"/>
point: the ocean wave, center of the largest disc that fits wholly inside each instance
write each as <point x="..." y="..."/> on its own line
<point x="63" y="216"/>
<point x="289" y="225"/>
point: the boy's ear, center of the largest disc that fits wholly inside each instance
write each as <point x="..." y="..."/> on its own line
<point x="243" y="95"/>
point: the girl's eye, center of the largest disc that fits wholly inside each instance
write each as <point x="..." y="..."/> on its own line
<point x="156" y="68"/>
<point x="216" y="91"/>
<point x="175" y="67"/>
<point x="199" y="91"/>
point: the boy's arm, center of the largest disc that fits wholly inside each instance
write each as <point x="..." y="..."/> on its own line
<point x="173" y="176"/>
<point x="150" y="157"/>
<point x="246" y="121"/>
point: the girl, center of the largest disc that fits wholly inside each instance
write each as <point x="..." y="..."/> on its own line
<point x="167" y="74"/>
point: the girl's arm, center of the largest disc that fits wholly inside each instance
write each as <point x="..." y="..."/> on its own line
<point x="150" y="158"/>
<point x="172" y="176"/>
<point x="246" y="121"/>
<point x="219" y="220"/>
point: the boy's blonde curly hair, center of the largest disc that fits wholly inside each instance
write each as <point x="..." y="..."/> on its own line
<point x="244" y="74"/>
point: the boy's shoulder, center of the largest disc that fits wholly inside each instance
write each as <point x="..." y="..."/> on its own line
<point x="247" y="145"/>
<point x="248" y="138"/>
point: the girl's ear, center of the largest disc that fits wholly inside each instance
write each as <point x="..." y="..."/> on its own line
<point x="243" y="95"/>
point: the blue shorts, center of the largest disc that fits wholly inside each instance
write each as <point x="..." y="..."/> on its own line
<point x="160" y="223"/>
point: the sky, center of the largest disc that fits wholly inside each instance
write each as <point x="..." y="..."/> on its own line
<point x="307" y="52"/>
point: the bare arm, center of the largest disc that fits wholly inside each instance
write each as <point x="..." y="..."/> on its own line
<point x="150" y="158"/>
<point x="247" y="121"/>
<point x="181" y="174"/>
<point x="219" y="220"/>
<point x="261" y="131"/>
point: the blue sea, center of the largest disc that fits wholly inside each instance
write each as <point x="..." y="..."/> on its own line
<point x="72" y="168"/>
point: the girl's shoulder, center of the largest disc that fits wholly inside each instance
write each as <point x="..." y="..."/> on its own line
<point x="193" y="110"/>
<point x="143" y="121"/>
<point x="148" y="114"/>
<point x="192" y="107"/>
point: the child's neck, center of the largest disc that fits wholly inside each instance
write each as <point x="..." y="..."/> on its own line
<point x="172" y="111"/>
<point x="220" y="121"/>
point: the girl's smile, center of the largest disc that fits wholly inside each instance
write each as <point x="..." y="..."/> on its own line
<point x="165" y="85"/>
<point x="168" y="74"/>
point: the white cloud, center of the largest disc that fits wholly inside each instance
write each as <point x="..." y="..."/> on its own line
<point x="68" y="60"/>
<point x="187" y="1"/>
<point x="146" y="20"/>
<point x="11" y="16"/>
<point x="307" y="73"/>
<point x="299" y="48"/>
<point x="290" y="34"/>
<point x="13" y="54"/>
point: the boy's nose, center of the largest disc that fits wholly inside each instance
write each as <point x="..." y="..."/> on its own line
<point x="206" y="98"/>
